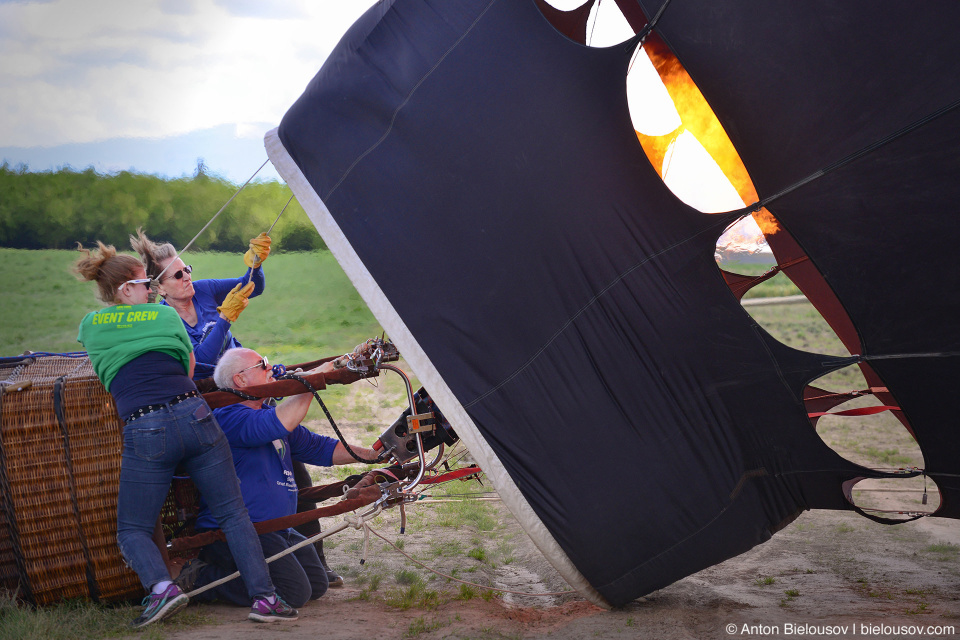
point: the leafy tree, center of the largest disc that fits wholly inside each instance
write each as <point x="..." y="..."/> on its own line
<point x="56" y="209"/>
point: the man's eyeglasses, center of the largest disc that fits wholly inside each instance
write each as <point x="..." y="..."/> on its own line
<point x="144" y="281"/>
<point x="263" y="364"/>
<point x="277" y="370"/>
<point x="176" y="275"/>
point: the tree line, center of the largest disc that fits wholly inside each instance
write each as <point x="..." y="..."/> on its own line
<point x="57" y="209"/>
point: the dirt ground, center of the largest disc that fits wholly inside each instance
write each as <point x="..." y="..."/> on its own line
<point x="825" y="569"/>
<point x="827" y="574"/>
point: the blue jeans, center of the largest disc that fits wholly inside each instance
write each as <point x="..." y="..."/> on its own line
<point x="153" y="446"/>
<point x="299" y="576"/>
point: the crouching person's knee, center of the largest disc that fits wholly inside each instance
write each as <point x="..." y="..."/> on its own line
<point x="295" y="600"/>
<point x="296" y="595"/>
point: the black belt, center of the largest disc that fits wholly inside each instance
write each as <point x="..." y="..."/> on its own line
<point x="150" y="408"/>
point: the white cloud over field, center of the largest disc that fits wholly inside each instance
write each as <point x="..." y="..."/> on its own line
<point x="74" y="71"/>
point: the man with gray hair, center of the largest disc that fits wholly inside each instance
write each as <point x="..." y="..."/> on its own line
<point x="264" y="441"/>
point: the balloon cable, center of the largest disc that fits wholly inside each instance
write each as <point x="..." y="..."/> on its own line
<point x="249" y="273"/>
<point x="856" y="155"/>
<point x="280" y="214"/>
<point x="236" y="193"/>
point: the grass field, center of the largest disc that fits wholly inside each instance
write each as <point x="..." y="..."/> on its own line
<point x="309" y="307"/>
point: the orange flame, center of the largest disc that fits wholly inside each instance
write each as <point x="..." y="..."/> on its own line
<point x="698" y="118"/>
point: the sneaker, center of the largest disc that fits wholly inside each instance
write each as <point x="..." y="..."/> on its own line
<point x="279" y="611"/>
<point x="334" y="579"/>
<point x="189" y="575"/>
<point x="158" y="606"/>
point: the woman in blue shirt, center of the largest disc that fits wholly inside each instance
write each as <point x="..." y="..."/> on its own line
<point x="196" y="301"/>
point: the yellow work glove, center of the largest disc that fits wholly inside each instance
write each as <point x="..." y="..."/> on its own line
<point x="258" y="251"/>
<point x="235" y="302"/>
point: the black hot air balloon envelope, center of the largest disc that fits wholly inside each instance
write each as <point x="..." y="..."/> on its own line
<point x="476" y="172"/>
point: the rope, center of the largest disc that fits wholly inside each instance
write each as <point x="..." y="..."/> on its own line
<point x="857" y="154"/>
<point x="280" y="214"/>
<point x="343" y="440"/>
<point x="65" y="354"/>
<point x="642" y="36"/>
<point x="239" y="394"/>
<point x="596" y="16"/>
<point x="26" y="358"/>
<point x="653" y="22"/>
<point x="472" y="584"/>
<point x="431" y="500"/>
<point x="356" y="522"/>
<point x="189" y="244"/>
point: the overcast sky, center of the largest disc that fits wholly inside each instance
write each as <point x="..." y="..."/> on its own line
<point x="87" y="70"/>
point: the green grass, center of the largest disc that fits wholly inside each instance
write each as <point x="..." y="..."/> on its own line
<point x="415" y="595"/>
<point x="478" y="553"/>
<point x="467" y="592"/>
<point x="406" y="576"/>
<point x="777" y="286"/>
<point x="308" y="310"/>
<point x="79" y="620"/>
<point x="422" y="625"/>
<point x="446" y="548"/>
<point x="474" y="513"/>
<point x="945" y="550"/>
<point x="887" y="457"/>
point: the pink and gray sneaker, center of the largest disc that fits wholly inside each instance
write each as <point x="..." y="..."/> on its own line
<point x="278" y="611"/>
<point x="158" y="606"/>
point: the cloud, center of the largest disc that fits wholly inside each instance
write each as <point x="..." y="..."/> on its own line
<point x="79" y="71"/>
<point x="179" y="7"/>
<point x="278" y="9"/>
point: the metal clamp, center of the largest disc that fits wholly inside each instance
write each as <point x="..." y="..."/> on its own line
<point x="421" y="423"/>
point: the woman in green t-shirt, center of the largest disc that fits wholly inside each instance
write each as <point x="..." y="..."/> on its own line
<point x="143" y="356"/>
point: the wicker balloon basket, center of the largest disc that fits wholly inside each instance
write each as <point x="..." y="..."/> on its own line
<point x="60" y="447"/>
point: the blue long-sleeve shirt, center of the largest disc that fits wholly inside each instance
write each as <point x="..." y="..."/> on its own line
<point x="211" y="335"/>
<point x="263" y="453"/>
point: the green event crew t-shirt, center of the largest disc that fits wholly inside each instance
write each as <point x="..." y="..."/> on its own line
<point x="116" y="335"/>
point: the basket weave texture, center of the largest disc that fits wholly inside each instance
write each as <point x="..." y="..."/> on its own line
<point x="60" y="450"/>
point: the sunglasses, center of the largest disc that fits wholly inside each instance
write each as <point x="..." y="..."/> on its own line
<point x="277" y="369"/>
<point x="263" y="364"/>
<point x="144" y="281"/>
<point x="176" y="275"/>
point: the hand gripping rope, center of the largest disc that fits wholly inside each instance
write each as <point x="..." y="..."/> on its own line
<point x="217" y="214"/>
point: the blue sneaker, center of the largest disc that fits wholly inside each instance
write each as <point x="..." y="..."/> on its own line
<point x="158" y="606"/>
<point x="263" y="611"/>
